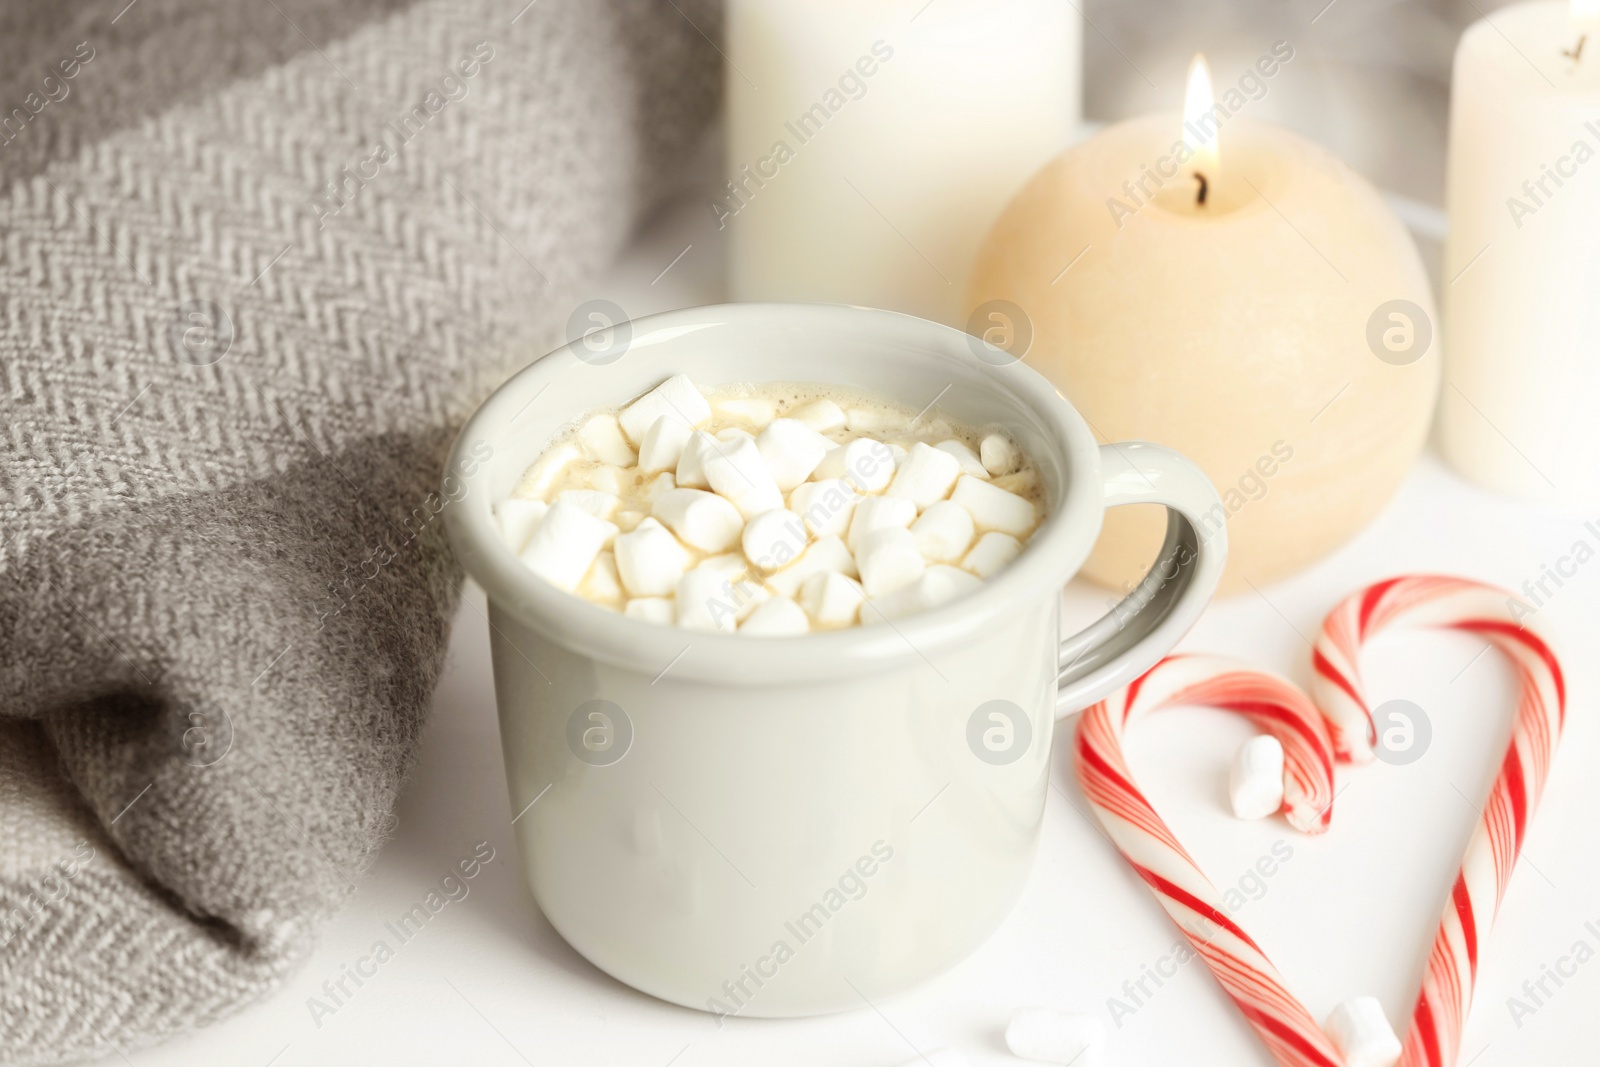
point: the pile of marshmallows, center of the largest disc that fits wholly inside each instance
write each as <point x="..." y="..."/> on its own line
<point x="775" y="532"/>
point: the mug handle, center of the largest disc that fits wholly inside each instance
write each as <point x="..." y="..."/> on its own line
<point x="1133" y="636"/>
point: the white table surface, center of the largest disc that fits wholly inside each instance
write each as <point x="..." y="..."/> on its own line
<point x="488" y="982"/>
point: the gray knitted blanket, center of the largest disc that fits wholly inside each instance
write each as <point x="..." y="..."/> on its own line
<point x="257" y="260"/>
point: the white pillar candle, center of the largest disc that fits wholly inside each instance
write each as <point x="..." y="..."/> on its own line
<point x="1255" y="332"/>
<point x="871" y="143"/>
<point x="1520" y="409"/>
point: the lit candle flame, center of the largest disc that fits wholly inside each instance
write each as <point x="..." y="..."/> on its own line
<point x="1200" y="123"/>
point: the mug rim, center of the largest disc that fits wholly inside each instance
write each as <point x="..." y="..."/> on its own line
<point x="1051" y="557"/>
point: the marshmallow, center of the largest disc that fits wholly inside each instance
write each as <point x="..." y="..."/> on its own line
<point x="897" y="453"/>
<point x="774" y="539"/>
<point x="791" y="451"/>
<point x="937" y="585"/>
<point x="740" y="586"/>
<point x="691" y="471"/>
<point x="1362" y="1034"/>
<point x="926" y="475"/>
<point x="628" y="521"/>
<point x="993" y="508"/>
<point x="603" y="437"/>
<point x="943" y="532"/>
<point x="993" y="551"/>
<point x="604" y="478"/>
<point x="733" y="433"/>
<point x="600" y="505"/>
<point x="703" y="604"/>
<point x="826" y="506"/>
<point x="652" y="609"/>
<point x="662" y="445"/>
<point x="1255" y="782"/>
<point x="998" y="454"/>
<point x="518" y="520"/>
<point x="565" y="545"/>
<point x="777" y="617"/>
<point x="821" y="415"/>
<point x="755" y="410"/>
<point x="824" y="554"/>
<point x="874" y="420"/>
<point x="650" y="560"/>
<point x="601" y="585"/>
<point x="831" y="599"/>
<point x="676" y="398"/>
<point x="736" y="472"/>
<point x="658" y="485"/>
<point x="1051" y="1036"/>
<point x="701" y="519"/>
<point x="970" y="463"/>
<point x="889" y="559"/>
<point x="868" y="464"/>
<point x="878" y="513"/>
<point x="545" y="470"/>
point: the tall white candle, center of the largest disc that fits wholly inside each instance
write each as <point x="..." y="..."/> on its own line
<point x="1520" y="409"/>
<point x="871" y="143"/>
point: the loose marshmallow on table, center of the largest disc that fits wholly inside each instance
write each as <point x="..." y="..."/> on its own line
<point x="650" y="561"/>
<point x="826" y="506"/>
<point x="603" y="436"/>
<point x="998" y="454"/>
<point x="737" y="473"/>
<point x="1362" y="1034"/>
<point x="889" y="559"/>
<point x="1051" y="1036"/>
<point x="675" y="398"/>
<point x="970" y="463"/>
<point x="926" y="475"/>
<point x="773" y="539"/>
<point x="824" y="554"/>
<point x="1255" y="782"/>
<point x="652" y="609"/>
<point x="821" y="415"/>
<point x="992" y="552"/>
<point x="776" y="617"/>
<point x="831" y="599"/>
<point x="662" y="445"/>
<point x="939" y="584"/>
<point x="877" y="513"/>
<point x="791" y="451"/>
<point x="993" y="508"/>
<point x="518" y="519"/>
<point x="565" y="545"/>
<point x="701" y="519"/>
<point x="943" y="532"/>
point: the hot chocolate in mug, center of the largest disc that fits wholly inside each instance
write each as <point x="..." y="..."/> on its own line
<point x="779" y="826"/>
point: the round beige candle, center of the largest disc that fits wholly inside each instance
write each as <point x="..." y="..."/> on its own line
<point x="1277" y="331"/>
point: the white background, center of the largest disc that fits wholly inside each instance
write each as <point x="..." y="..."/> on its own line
<point x="489" y="982"/>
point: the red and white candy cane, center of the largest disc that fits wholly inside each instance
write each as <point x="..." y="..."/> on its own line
<point x="1144" y="839"/>
<point x="1426" y="601"/>
<point x="1148" y="844"/>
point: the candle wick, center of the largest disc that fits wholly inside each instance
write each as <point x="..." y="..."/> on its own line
<point x="1576" y="53"/>
<point x="1205" y="187"/>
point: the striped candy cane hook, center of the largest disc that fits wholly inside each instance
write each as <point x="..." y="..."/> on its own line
<point x="1312" y="739"/>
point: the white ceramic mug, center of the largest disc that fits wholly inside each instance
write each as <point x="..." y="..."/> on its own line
<point x="785" y="826"/>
